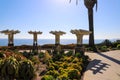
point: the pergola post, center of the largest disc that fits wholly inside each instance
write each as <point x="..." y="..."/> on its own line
<point x="79" y="34"/>
<point x="57" y="39"/>
<point x="10" y="34"/>
<point x="35" y="44"/>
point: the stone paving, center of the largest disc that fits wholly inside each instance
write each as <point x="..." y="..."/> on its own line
<point x="104" y="66"/>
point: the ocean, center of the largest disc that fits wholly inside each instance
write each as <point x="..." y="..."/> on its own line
<point x="18" y="42"/>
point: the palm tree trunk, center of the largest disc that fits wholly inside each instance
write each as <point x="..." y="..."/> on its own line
<point x="91" y="27"/>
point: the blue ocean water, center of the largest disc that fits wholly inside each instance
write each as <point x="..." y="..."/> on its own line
<point x="18" y="42"/>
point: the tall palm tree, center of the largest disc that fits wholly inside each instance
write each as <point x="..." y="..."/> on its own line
<point x="89" y="5"/>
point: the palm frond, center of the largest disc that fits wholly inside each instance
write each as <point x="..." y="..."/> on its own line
<point x="76" y="2"/>
<point x="96" y="5"/>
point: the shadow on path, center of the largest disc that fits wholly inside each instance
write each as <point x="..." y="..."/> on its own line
<point x="110" y="58"/>
<point x="96" y="66"/>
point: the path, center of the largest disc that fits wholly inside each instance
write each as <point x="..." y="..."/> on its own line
<point x="104" y="66"/>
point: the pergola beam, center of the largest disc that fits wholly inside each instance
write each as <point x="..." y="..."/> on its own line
<point x="10" y="34"/>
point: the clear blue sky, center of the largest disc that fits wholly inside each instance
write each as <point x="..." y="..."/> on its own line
<point x="47" y="15"/>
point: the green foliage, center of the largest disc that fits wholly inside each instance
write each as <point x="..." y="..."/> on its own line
<point x="118" y="46"/>
<point x="1" y="55"/>
<point x="79" y="55"/>
<point x="73" y="74"/>
<point x="56" y="66"/>
<point x="63" y="77"/>
<point x="75" y="60"/>
<point x="15" y="66"/>
<point x="26" y="54"/>
<point x="67" y="59"/>
<point x="69" y="53"/>
<point x="10" y="68"/>
<point x="41" y="55"/>
<point x="61" y="70"/>
<point x="54" y="73"/>
<point x="90" y="49"/>
<point x="35" y="52"/>
<point x="47" y="77"/>
<point x="57" y="57"/>
<point x="35" y="60"/>
<point x="77" y="66"/>
<point x="47" y="57"/>
<point x="65" y="66"/>
<point x="107" y="43"/>
<point x="51" y="67"/>
<point x="26" y="70"/>
<point x="103" y="48"/>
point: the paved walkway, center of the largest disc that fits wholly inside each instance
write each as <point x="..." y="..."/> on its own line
<point x="104" y="66"/>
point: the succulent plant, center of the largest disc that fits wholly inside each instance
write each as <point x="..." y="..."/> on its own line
<point x="26" y="70"/>
<point x="9" y="69"/>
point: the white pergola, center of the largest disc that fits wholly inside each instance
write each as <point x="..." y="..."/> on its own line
<point x="34" y="33"/>
<point x="79" y="34"/>
<point x="57" y="35"/>
<point x="10" y="34"/>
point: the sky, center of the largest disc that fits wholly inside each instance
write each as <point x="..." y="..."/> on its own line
<point x="51" y="15"/>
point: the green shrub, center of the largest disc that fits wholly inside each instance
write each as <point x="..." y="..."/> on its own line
<point x="35" y="52"/>
<point x="74" y="74"/>
<point x="107" y="43"/>
<point x="41" y="55"/>
<point x="46" y="57"/>
<point x="57" y="57"/>
<point x="47" y="77"/>
<point x="54" y="73"/>
<point x="64" y="65"/>
<point x="118" y="46"/>
<point x="35" y="60"/>
<point x="51" y="68"/>
<point x="103" y="48"/>
<point x="77" y="66"/>
<point x="61" y="70"/>
<point x="90" y="49"/>
<point x="69" y="53"/>
<point x="10" y="68"/>
<point x="67" y="59"/>
<point x="56" y="66"/>
<point x="1" y="54"/>
<point x="26" y="70"/>
<point x="75" y="60"/>
<point x="63" y="77"/>
<point x="26" y="54"/>
<point x="79" y="55"/>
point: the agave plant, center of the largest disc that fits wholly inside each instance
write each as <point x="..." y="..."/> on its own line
<point x="9" y="69"/>
<point x="26" y="70"/>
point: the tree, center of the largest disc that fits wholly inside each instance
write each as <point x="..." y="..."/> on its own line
<point x="89" y="5"/>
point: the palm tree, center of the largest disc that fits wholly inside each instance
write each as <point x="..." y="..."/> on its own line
<point x="89" y="5"/>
